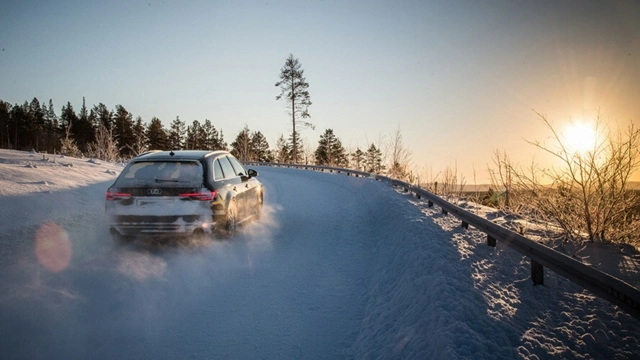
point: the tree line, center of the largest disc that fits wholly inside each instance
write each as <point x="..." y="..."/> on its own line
<point x="116" y="134"/>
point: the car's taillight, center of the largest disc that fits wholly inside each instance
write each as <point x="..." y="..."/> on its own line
<point x="117" y="196"/>
<point x="201" y="196"/>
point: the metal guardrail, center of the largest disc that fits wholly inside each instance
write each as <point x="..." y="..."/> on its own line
<point x="608" y="287"/>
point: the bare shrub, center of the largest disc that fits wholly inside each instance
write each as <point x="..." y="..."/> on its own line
<point x="451" y="183"/>
<point x="588" y="195"/>
<point x="104" y="147"/>
<point x="69" y="146"/>
<point x="501" y="177"/>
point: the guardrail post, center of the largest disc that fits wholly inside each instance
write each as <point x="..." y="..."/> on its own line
<point x="465" y="225"/>
<point x="430" y="203"/>
<point x="418" y="196"/>
<point x="537" y="273"/>
<point x="491" y="241"/>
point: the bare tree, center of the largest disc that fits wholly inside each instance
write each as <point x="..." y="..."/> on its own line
<point x="69" y="146"/>
<point x="400" y="157"/>
<point x="451" y="183"/>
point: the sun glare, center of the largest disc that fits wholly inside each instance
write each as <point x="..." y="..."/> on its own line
<point x="580" y="137"/>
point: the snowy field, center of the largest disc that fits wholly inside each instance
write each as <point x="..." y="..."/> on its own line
<point x="338" y="267"/>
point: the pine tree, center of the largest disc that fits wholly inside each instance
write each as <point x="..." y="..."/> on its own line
<point x="281" y="152"/>
<point x="241" y="147"/>
<point x="83" y="130"/>
<point x="140" y="137"/>
<point x="177" y="132"/>
<point x="213" y="139"/>
<point x="373" y="160"/>
<point x="16" y="129"/>
<point x="196" y="137"/>
<point x="260" y="147"/>
<point x="5" y="117"/>
<point x="103" y="116"/>
<point x="123" y="131"/>
<point x="37" y="120"/>
<point x="52" y="126"/>
<point x="157" y="138"/>
<point x="217" y="140"/>
<point x="293" y="89"/>
<point x="293" y="149"/>
<point x="330" y="151"/>
<point x="358" y="159"/>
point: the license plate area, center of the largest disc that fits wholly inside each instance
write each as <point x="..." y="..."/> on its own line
<point x="154" y="201"/>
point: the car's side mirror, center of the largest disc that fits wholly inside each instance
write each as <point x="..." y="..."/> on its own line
<point x="252" y="173"/>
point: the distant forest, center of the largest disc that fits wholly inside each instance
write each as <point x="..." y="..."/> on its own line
<point x="116" y="135"/>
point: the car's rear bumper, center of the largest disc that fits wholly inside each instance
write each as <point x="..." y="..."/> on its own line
<point x="182" y="225"/>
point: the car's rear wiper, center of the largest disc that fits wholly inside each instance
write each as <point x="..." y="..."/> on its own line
<point x="166" y="180"/>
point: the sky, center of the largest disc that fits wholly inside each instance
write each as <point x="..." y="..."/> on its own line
<point x="463" y="77"/>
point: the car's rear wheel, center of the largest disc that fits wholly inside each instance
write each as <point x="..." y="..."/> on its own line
<point x="231" y="221"/>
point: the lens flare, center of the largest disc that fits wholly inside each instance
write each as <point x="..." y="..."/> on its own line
<point x="53" y="247"/>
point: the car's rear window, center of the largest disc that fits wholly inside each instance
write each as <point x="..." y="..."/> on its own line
<point x="161" y="172"/>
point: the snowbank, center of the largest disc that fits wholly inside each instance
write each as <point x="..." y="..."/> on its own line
<point x="338" y="267"/>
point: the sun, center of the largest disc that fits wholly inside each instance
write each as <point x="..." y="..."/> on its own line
<point x="580" y="137"/>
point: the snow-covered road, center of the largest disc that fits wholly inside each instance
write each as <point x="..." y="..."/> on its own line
<point x="338" y="267"/>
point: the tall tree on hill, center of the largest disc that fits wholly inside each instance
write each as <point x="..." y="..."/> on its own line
<point x="157" y="138"/>
<point x="177" y="132"/>
<point x="294" y="91"/>
<point x="123" y="131"/>
<point x="295" y="146"/>
<point x="330" y="151"/>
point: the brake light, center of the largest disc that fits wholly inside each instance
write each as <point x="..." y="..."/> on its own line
<point x="200" y="196"/>
<point x="117" y="196"/>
